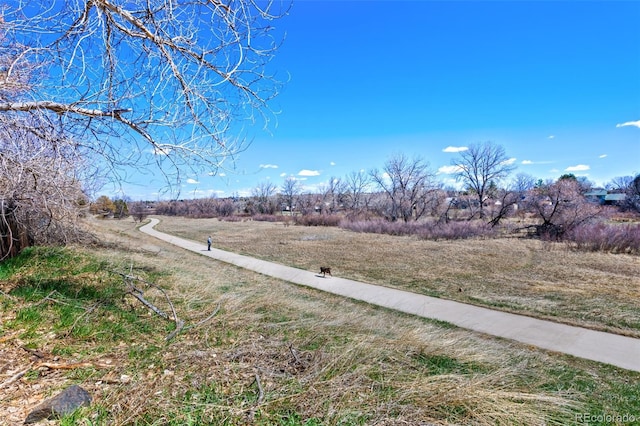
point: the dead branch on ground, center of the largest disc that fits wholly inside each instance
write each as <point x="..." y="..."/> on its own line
<point x="71" y="366"/>
<point x="260" y="389"/>
<point x="15" y="377"/>
<point x="131" y="289"/>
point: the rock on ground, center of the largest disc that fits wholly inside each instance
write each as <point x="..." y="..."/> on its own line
<point x="66" y="402"/>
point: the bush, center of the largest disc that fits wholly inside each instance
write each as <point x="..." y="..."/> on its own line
<point x="424" y="230"/>
<point x="267" y="218"/>
<point x="318" y="220"/>
<point x="600" y="236"/>
<point x="232" y="218"/>
<point x="457" y="231"/>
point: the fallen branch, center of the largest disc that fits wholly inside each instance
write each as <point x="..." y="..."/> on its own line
<point x="15" y="377"/>
<point x="149" y="305"/>
<point x="295" y="355"/>
<point x="260" y="389"/>
<point x="87" y="312"/>
<point x="48" y="298"/>
<point x="131" y="289"/>
<point x="34" y="352"/>
<point x="199" y="323"/>
<point x="137" y="293"/>
<point x="7" y="295"/>
<point x="178" y="329"/>
<point x="71" y="366"/>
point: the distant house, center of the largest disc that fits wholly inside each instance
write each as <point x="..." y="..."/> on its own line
<point x="605" y="197"/>
<point x="596" y="195"/>
<point x="614" y="198"/>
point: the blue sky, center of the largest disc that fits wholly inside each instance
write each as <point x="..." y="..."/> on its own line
<point x="557" y="84"/>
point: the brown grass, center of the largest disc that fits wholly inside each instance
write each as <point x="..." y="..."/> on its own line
<point x="545" y="280"/>
<point x="317" y="356"/>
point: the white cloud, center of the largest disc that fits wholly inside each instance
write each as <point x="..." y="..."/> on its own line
<point x="629" y="123"/>
<point x="283" y="174"/>
<point x="578" y="168"/>
<point x="305" y="172"/>
<point x="448" y="170"/>
<point x="332" y="163"/>
<point x="529" y="162"/>
<point x="222" y="174"/>
<point x="455" y="149"/>
<point x="603" y="156"/>
<point x="192" y="181"/>
<point x="551" y="137"/>
<point x="511" y="160"/>
<point x="268" y="166"/>
<point x="202" y="193"/>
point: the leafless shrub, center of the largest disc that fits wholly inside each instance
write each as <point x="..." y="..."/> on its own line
<point x="458" y="230"/>
<point x="267" y="218"/>
<point x="232" y="218"/>
<point x="225" y="208"/>
<point x="605" y="237"/>
<point x="426" y="230"/>
<point x="378" y="226"/>
<point x="561" y="206"/>
<point x="318" y="220"/>
<point x="40" y="191"/>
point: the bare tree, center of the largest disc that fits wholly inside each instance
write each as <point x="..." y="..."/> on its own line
<point x="482" y="166"/>
<point x="620" y="183"/>
<point x="40" y="190"/>
<point x="406" y="182"/>
<point x="162" y="83"/>
<point x="522" y="183"/>
<point x="263" y="195"/>
<point x="561" y="206"/>
<point x="139" y="211"/>
<point x="290" y="189"/>
<point x="168" y="84"/>
<point x="630" y="186"/>
<point x="633" y="194"/>
<point x="507" y="200"/>
<point x="356" y="184"/>
<point x="332" y="194"/>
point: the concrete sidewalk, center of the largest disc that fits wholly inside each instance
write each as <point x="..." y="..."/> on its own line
<point x="598" y="346"/>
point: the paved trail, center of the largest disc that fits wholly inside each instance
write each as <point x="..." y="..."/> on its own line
<point x="598" y="346"/>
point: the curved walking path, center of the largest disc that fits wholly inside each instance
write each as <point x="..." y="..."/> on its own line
<point x="614" y="349"/>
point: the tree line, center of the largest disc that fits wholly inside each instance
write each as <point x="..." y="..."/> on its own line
<point x="405" y="190"/>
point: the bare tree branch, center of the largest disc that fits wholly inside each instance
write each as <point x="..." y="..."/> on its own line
<point x="159" y="83"/>
<point x="481" y="166"/>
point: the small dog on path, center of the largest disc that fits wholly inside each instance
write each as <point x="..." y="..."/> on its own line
<point x="324" y="271"/>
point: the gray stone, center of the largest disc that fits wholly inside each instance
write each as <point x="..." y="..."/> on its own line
<point x="66" y="402"/>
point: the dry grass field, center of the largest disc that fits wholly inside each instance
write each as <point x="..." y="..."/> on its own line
<point x="545" y="280"/>
<point x="280" y="354"/>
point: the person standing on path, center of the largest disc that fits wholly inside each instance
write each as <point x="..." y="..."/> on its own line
<point x="209" y="243"/>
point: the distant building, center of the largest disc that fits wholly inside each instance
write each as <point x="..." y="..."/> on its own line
<point x="605" y="197"/>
